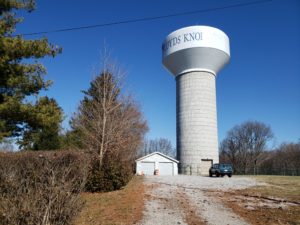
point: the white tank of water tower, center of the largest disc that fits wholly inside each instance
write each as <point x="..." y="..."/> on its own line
<point x="194" y="55"/>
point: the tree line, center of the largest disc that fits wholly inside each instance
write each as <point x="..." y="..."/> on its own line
<point x="246" y="148"/>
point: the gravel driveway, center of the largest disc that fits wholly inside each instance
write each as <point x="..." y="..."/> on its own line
<point x="183" y="200"/>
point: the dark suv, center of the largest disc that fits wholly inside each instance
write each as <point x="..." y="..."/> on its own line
<point x="220" y="169"/>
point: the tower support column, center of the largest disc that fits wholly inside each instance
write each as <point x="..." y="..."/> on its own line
<point x="196" y="122"/>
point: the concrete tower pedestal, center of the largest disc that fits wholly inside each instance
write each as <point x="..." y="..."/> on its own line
<point x="195" y="55"/>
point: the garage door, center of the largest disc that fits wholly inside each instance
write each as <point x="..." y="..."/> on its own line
<point x="148" y="168"/>
<point x="205" y="165"/>
<point x="166" y="168"/>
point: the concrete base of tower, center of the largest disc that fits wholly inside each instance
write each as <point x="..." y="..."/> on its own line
<point x="201" y="168"/>
<point x="189" y="169"/>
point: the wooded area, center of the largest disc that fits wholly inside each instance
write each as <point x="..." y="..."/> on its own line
<point x="246" y="148"/>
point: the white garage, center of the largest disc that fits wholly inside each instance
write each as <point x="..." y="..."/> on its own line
<point x="164" y="164"/>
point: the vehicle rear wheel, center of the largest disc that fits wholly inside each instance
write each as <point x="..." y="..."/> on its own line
<point x="217" y="174"/>
<point x="222" y="175"/>
<point x="210" y="174"/>
<point x="229" y="175"/>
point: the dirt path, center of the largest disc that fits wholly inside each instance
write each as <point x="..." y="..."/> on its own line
<point x="183" y="200"/>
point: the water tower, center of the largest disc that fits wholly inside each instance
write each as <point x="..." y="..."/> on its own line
<point x="194" y="55"/>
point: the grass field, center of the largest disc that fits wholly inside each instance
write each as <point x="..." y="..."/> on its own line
<point x="123" y="207"/>
<point x="284" y="187"/>
<point x="278" y="202"/>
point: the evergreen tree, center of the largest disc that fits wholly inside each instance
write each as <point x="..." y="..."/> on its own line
<point x="21" y="76"/>
<point x="43" y="131"/>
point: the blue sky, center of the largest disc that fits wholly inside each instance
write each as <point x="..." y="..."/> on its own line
<point x="262" y="81"/>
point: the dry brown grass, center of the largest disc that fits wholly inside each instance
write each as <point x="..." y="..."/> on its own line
<point x="276" y="203"/>
<point x="284" y="187"/>
<point x="121" y="207"/>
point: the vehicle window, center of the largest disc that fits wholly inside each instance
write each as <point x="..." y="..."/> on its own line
<point x="227" y="166"/>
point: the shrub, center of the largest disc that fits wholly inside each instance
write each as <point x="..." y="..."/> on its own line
<point x="41" y="187"/>
<point x="113" y="174"/>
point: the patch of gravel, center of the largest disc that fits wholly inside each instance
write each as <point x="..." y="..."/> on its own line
<point x="162" y="207"/>
<point x="163" y="204"/>
<point x="209" y="183"/>
<point x="212" y="210"/>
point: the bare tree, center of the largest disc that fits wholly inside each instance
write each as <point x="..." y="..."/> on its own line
<point x="110" y="122"/>
<point x="162" y="145"/>
<point x="245" y="143"/>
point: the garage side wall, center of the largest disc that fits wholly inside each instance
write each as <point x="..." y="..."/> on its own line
<point x="175" y="168"/>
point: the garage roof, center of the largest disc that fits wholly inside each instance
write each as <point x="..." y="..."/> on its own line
<point x="159" y="153"/>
